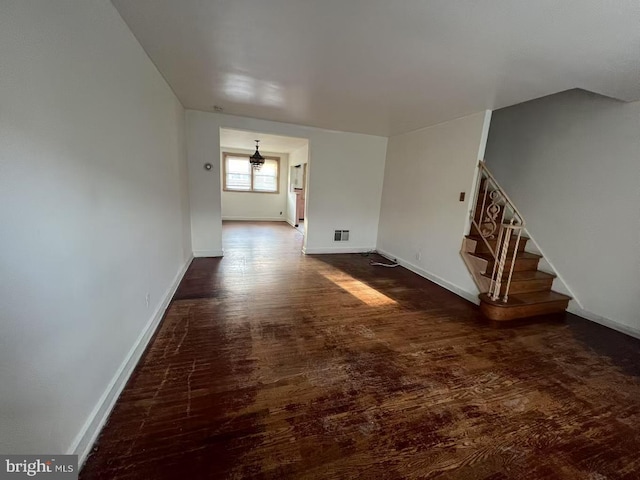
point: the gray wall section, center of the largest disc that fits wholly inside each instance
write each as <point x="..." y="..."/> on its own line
<point x="571" y="163"/>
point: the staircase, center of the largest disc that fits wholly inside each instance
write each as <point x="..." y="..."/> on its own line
<point x="495" y="253"/>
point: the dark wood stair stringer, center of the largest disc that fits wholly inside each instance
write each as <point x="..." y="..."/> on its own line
<point x="530" y="290"/>
<point x="522" y="305"/>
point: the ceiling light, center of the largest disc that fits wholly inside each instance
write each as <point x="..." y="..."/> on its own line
<point x="256" y="159"/>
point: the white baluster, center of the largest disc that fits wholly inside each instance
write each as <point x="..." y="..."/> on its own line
<point x="513" y="262"/>
<point x="504" y="247"/>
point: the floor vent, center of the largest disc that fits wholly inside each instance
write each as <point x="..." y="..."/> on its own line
<point x="341" y="236"/>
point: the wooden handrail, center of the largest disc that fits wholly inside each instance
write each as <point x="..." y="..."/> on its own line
<point x="484" y="167"/>
<point x="505" y="228"/>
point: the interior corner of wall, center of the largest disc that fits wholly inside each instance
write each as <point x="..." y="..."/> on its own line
<point x="484" y="135"/>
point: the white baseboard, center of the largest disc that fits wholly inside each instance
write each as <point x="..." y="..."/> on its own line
<point x="594" y="317"/>
<point x="470" y="296"/>
<point x="208" y="253"/>
<point x="290" y="223"/>
<point x="329" y="250"/>
<point x="84" y="440"/>
<point x="573" y="307"/>
<point x="255" y="219"/>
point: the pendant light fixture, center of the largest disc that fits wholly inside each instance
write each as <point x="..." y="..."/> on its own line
<point x="256" y="159"/>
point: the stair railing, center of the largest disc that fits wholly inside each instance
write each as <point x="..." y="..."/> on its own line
<point x="497" y="218"/>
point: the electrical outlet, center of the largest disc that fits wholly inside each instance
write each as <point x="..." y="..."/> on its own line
<point x="462" y="194"/>
<point x="280" y="213"/>
<point x="418" y="255"/>
<point x="147" y="299"/>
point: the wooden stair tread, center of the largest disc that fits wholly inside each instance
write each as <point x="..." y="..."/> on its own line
<point x="520" y="255"/>
<point x="532" y="298"/>
<point x="478" y="238"/>
<point x="525" y="275"/>
<point x="528" y="289"/>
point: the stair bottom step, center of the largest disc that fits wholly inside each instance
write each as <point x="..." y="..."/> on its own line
<point x="528" y="281"/>
<point x="523" y="305"/>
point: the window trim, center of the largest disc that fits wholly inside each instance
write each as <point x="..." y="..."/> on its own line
<point x="247" y="156"/>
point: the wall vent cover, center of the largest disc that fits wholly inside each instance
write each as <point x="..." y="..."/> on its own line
<point x="341" y="236"/>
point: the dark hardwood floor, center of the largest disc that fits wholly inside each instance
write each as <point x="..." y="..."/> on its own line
<point x="272" y="364"/>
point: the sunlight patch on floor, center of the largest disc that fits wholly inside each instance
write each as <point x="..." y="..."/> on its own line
<point x="358" y="289"/>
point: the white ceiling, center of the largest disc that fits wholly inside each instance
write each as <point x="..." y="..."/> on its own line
<point x="385" y="67"/>
<point x="268" y="143"/>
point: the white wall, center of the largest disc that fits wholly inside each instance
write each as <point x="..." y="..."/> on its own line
<point x="571" y="163"/>
<point x="421" y="215"/>
<point x="256" y="206"/>
<point x="345" y="182"/>
<point x="93" y="208"/>
<point x="297" y="157"/>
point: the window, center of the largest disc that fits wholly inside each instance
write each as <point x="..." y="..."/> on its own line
<point x="240" y="176"/>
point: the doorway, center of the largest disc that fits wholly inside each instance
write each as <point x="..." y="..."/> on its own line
<point x="298" y="186"/>
<point x="270" y="187"/>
